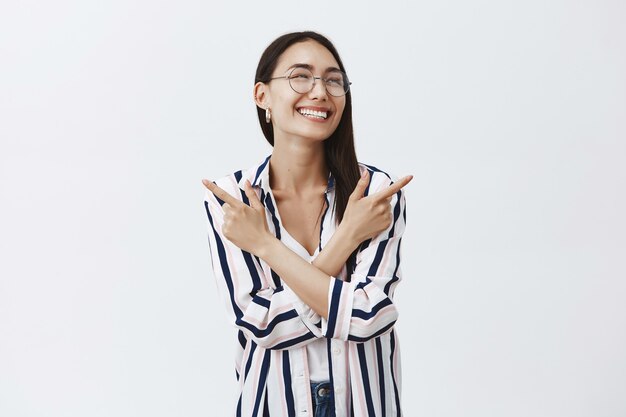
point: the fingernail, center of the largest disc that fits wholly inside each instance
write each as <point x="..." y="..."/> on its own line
<point x="364" y="174"/>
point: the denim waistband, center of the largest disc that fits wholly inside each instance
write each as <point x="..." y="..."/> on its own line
<point x="323" y="399"/>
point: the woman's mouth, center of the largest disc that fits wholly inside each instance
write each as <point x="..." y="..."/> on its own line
<point x="315" y="115"/>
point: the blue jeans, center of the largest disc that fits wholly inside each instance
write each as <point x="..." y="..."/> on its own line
<point x="323" y="399"/>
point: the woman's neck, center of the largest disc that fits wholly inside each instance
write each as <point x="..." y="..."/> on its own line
<point x="298" y="168"/>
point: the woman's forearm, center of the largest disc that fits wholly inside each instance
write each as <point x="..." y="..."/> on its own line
<point x="308" y="282"/>
<point x="336" y="252"/>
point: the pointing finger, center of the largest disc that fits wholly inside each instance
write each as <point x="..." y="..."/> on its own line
<point x="394" y="188"/>
<point x="221" y="194"/>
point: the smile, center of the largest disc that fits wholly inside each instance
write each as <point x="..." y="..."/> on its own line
<point x="313" y="114"/>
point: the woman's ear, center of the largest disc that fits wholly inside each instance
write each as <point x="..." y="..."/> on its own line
<point x="261" y="95"/>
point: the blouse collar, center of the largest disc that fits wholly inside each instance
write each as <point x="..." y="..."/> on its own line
<point x="259" y="176"/>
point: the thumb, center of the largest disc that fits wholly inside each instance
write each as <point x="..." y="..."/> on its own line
<point x="255" y="203"/>
<point x="360" y="186"/>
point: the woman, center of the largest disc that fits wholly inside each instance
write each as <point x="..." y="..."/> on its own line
<point x="305" y="248"/>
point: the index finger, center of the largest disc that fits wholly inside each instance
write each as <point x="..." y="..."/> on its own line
<point x="221" y="194"/>
<point x="393" y="188"/>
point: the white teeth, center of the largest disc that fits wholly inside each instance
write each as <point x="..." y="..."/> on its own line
<point x="308" y="112"/>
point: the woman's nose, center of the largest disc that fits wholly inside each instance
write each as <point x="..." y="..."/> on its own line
<point x="319" y="88"/>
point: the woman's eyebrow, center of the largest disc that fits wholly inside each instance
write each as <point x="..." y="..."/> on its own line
<point x="310" y="67"/>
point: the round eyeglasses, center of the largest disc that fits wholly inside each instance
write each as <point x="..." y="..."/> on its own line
<point x="302" y="81"/>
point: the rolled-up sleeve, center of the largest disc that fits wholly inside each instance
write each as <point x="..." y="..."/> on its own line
<point x="363" y="307"/>
<point x="270" y="314"/>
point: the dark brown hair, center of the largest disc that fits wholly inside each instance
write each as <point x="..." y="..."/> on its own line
<point x="339" y="147"/>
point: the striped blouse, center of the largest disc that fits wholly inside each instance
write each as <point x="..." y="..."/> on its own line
<point x="274" y="326"/>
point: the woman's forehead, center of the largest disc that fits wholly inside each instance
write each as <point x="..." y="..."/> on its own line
<point x="310" y="53"/>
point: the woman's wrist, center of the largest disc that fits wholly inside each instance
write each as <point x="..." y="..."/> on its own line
<point x="347" y="235"/>
<point x="268" y="246"/>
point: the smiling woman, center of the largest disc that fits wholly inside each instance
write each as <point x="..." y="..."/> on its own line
<point x="305" y="248"/>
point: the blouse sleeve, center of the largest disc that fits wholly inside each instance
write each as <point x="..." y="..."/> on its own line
<point x="363" y="308"/>
<point x="271" y="315"/>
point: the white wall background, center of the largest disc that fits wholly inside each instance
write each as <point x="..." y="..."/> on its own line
<point x="511" y="116"/>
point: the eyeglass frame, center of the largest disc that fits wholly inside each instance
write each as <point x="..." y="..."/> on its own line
<point x="314" y="78"/>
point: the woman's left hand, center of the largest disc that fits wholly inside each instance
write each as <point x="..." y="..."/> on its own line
<point x="245" y="226"/>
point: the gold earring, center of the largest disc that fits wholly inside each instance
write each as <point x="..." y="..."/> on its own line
<point x="268" y="115"/>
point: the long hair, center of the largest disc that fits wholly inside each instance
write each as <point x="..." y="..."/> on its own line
<point x="339" y="146"/>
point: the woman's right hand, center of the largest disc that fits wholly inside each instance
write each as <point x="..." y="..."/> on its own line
<point x="366" y="217"/>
